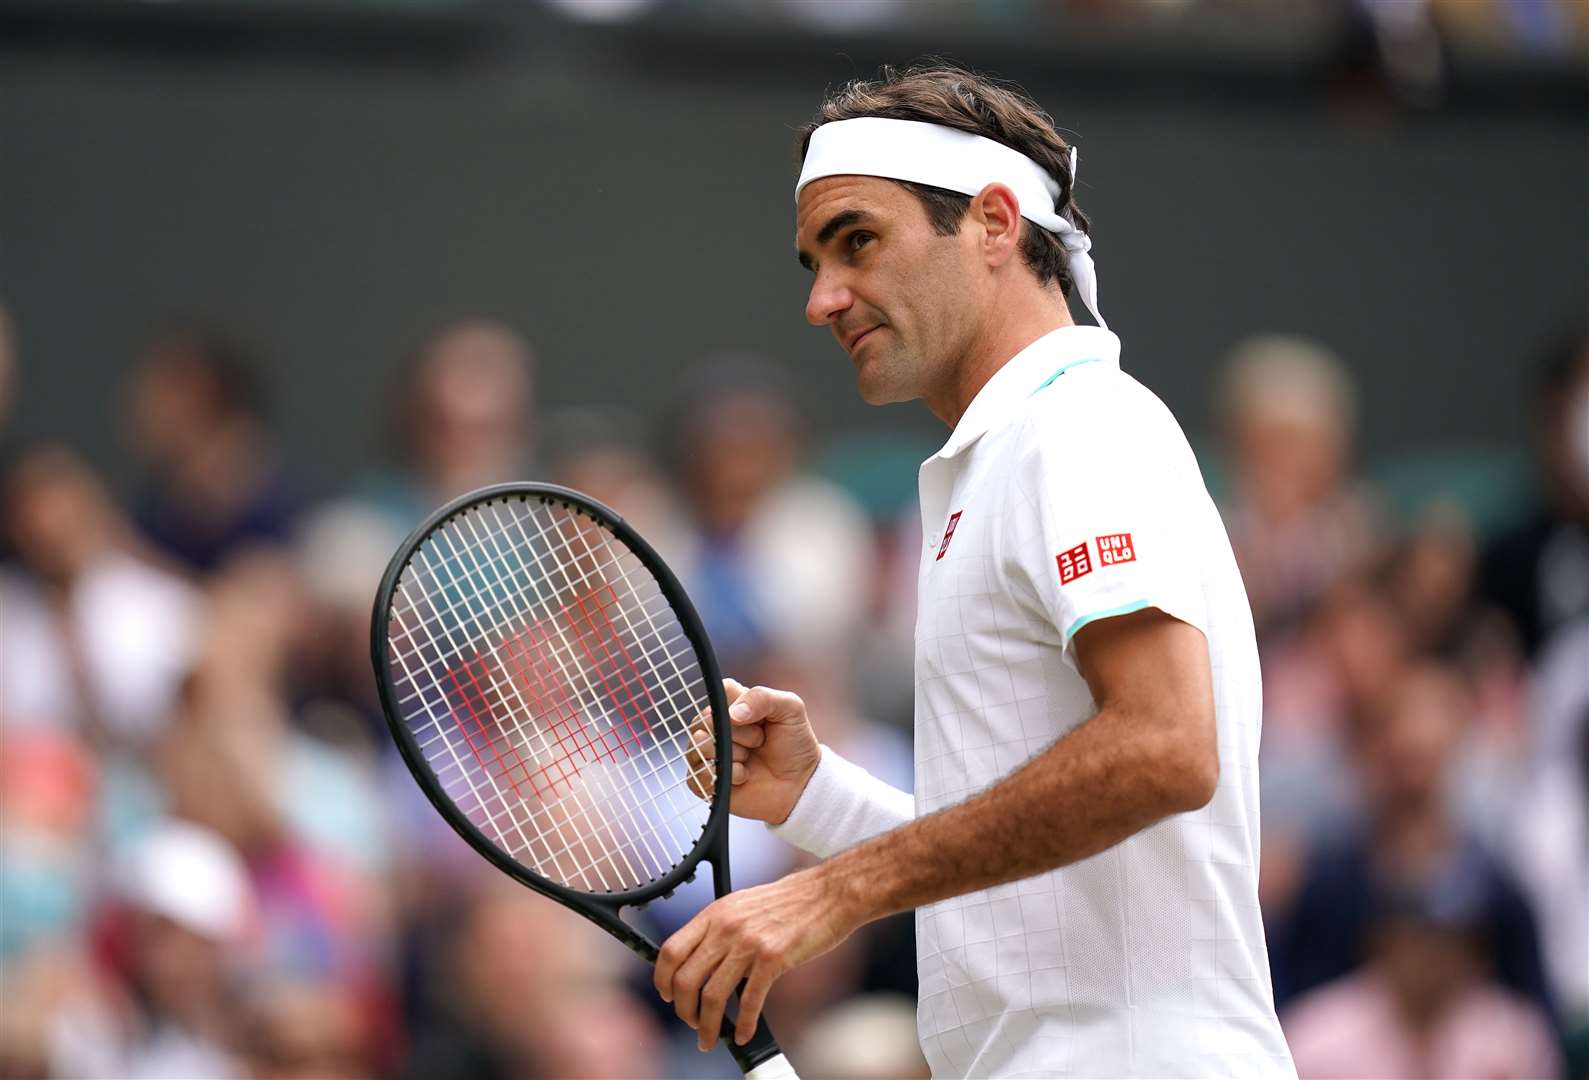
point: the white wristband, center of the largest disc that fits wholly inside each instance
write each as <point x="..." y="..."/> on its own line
<point x="842" y="805"/>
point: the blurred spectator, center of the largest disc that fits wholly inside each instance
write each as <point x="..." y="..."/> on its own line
<point x="340" y="553"/>
<point x="1548" y="834"/>
<point x="194" y="416"/>
<point x="1429" y="582"/>
<point x="95" y="637"/>
<point x="1539" y="573"/>
<point x="187" y="910"/>
<point x="534" y="993"/>
<point x="304" y="815"/>
<point x="464" y="419"/>
<point x="782" y="559"/>
<point x="1423" y="1007"/>
<point x="1318" y="685"/>
<point x="304" y="1031"/>
<point x="1404" y="752"/>
<point x="602" y="453"/>
<point x="47" y="790"/>
<point x="1297" y="521"/>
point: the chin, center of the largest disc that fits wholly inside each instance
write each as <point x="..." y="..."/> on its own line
<point x="875" y="392"/>
<point x="879" y="382"/>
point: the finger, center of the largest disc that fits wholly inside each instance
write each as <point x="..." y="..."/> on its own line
<point x="702" y="783"/>
<point x="702" y="743"/>
<point x="751" y="1000"/>
<point x="740" y="754"/>
<point x="733" y="689"/>
<point x="762" y="704"/>
<point x="737" y="773"/>
<point x="699" y="762"/>
<point x="751" y="735"/>
<point x="714" y="1000"/>
<point x="679" y="948"/>
<point x="690" y="981"/>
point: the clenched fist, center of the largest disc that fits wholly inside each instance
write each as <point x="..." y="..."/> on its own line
<point x="774" y="752"/>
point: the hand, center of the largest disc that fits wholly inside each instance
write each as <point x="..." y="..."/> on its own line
<point x="775" y="752"/>
<point x="750" y="936"/>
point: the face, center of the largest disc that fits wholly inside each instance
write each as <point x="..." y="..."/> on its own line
<point x="901" y="300"/>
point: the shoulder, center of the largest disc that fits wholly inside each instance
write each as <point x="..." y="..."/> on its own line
<point x="1097" y="421"/>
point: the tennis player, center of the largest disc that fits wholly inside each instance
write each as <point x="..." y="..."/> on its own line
<point x="1082" y="845"/>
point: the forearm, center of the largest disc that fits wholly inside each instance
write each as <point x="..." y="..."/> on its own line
<point x="1098" y="785"/>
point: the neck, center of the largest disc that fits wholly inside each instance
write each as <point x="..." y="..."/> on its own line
<point x="1006" y="329"/>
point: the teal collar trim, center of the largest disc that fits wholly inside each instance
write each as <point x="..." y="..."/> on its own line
<point x="1044" y="385"/>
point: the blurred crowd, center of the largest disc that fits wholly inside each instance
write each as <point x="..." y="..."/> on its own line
<point x="212" y="863"/>
<point x="1537" y="27"/>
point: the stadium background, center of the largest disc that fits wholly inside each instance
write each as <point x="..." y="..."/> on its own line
<point x="307" y="193"/>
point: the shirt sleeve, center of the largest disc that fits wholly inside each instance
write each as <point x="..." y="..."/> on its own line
<point x="1112" y="518"/>
<point x="843" y="805"/>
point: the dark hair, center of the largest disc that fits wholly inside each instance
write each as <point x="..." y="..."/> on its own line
<point x="942" y="93"/>
<point x="1560" y="364"/>
<point x="225" y="366"/>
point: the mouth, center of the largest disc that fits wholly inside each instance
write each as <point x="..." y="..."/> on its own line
<point x="851" y="345"/>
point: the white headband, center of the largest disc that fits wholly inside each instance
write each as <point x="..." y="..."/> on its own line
<point x="943" y="157"/>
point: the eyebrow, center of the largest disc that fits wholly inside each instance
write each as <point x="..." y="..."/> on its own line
<point x="838" y="221"/>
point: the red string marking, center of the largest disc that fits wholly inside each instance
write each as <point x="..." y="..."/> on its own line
<point x="640" y="679"/>
<point x="532" y="665"/>
<point x="472" y="714"/>
<point x="602" y="635"/>
<point x="565" y="724"/>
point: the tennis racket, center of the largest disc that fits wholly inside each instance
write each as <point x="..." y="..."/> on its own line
<point x="540" y="669"/>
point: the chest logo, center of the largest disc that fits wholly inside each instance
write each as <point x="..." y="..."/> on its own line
<point x="948" y="533"/>
<point x="1116" y="548"/>
<point x="1074" y="563"/>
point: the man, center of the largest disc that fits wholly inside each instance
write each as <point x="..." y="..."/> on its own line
<point x="1082" y="847"/>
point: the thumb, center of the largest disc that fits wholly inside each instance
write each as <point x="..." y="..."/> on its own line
<point x="761" y="704"/>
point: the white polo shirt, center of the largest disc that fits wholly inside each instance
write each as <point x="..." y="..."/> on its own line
<point x="1067" y="493"/>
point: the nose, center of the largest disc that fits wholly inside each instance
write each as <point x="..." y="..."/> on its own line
<point x="828" y="300"/>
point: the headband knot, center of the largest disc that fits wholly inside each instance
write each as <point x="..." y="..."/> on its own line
<point x="943" y="157"/>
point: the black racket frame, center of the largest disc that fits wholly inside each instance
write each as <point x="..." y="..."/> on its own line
<point x="603" y="909"/>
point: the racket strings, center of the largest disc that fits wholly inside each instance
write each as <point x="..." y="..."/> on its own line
<point x="646" y="835"/>
<point x="551" y="689"/>
<point x="608" y="853"/>
<point x="666" y="647"/>
<point x="583" y="582"/>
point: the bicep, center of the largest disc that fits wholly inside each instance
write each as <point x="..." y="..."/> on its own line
<point x="1152" y="671"/>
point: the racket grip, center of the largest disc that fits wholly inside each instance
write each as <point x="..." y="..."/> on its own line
<point x="761" y="1057"/>
<point x="774" y="1068"/>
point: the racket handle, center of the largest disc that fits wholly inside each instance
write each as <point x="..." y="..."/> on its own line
<point x="762" y="1057"/>
<point x="774" y="1068"/>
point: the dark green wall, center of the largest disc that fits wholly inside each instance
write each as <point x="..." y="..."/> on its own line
<point x="632" y="212"/>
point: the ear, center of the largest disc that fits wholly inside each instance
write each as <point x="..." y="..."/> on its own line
<point x="999" y="213"/>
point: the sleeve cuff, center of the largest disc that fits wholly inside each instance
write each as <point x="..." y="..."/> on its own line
<point x="843" y="805"/>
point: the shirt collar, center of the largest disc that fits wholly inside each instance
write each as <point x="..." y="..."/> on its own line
<point x="1027" y="372"/>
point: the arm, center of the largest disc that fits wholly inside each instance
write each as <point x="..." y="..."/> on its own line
<point x="1149" y="751"/>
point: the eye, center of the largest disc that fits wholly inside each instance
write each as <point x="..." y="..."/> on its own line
<point x="858" y="239"/>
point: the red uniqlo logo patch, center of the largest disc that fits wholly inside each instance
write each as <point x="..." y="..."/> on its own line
<point x="949" y="532"/>
<point x="1074" y="563"/>
<point x="1116" y="548"/>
